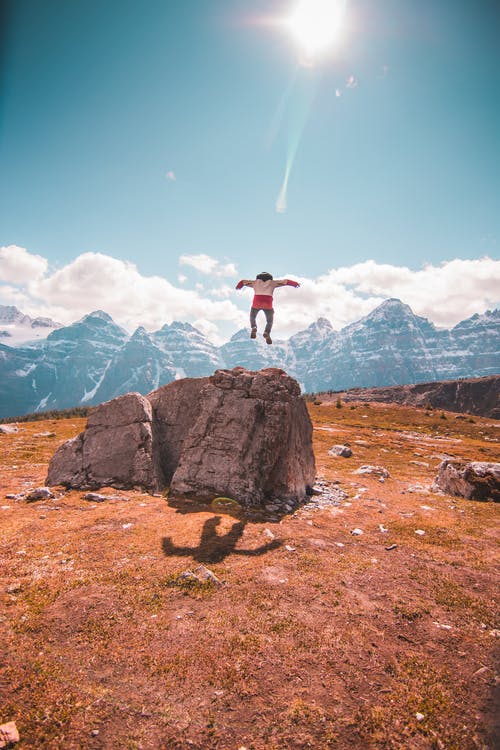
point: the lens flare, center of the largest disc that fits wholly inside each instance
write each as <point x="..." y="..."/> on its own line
<point x="316" y="24"/>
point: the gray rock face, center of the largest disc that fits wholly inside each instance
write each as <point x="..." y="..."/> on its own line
<point x="116" y="449"/>
<point x="241" y="434"/>
<point x="252" y="440"/>
<point x="474" y="480"/>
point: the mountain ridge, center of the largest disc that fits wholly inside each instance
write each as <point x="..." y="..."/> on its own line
<point x="95" y="359"/>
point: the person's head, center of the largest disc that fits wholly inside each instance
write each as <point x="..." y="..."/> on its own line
<point x="264" y="276"/>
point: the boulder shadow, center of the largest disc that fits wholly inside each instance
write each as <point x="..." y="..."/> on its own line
<point x="215" y="547"/>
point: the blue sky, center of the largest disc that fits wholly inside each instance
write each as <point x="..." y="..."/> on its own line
<point x="141" y="133"/>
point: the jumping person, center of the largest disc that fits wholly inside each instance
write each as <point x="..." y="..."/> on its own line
<point x="263" y="287"/>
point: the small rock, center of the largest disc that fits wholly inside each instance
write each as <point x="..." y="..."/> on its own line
<point x="340" y="450"/>
<point x="269" y="534"/>
<point x="94" y="497"/>
<point x="289" y="548"/>
<point x="205" y="574"/>
<point x="419" y="716"/>
<point x="420" y="532"/>
<point x="418" y="488"/>
<point x="44" y="434"/>
<point x="440" y="625"/>
<point x="382" y="528"/>
<point x="379" y="471"/>
<point x="94" y="732"/>
<point x="494" y="633"/>
<point x="126" y="525"/>
<point x="40" y="493"/>
<point x="8" y="429"/>
<point x="391" y="547"/>
<point x="357" y="532"/>
<point x="14" y="588"/>
<point x="8" y="733"/>
<point x="339" y="544"/>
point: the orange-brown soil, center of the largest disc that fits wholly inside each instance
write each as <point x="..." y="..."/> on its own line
<point x="321" y="639"/>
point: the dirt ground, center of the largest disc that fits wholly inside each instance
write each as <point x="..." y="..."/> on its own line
<point x="317" y="638"/>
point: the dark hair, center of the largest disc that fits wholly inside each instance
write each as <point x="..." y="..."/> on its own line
<point x="264" y="276"/>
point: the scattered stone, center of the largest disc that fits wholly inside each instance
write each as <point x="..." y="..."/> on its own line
<point x="40" y="493"/>
<point x="420" y="463"/>
<point x="419" y="716"/>
<point x="382" y="528"/>
<point x="440" y="625"/>
<point x="94" y="497"/>
<point x="427" y="507"/>
<point x="44" y="434"/>
<point x="340" y="450"/>
<point x="339" y="544"/>
<point x="14" y="588"/>
<point x="269" y="534"/>
<point x="357" y="532"/>
<point x="205" y="574"/>
<point x="474" y="480"/>
<point x="289" y="548"/>
<point x="126" y="525"/>
<point x="94" y="732"/>
<point x="418" y="488"/>
<point x="391" y="547"/>
<point x="325" y="495"/>
<point x="420" y="532"/>
<point x="494" y="633"/>
<point x="8" y="734"/>
<point x="379" y="471"/>
<point x="8" y="429"/>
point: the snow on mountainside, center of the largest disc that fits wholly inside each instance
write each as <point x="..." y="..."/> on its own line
<point x="17" y="328"/>
<point x="94" y="359"/>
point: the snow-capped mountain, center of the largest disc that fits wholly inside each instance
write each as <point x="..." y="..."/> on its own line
<point x="94" y="359"/>
<point x="17" y="328"/>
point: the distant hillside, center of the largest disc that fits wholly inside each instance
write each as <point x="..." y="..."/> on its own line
<point x="479" y="396"/>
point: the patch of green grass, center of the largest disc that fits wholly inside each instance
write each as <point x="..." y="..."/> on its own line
<point x="190" y="586"/>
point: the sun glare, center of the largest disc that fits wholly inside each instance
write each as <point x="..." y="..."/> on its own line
<point x="316" y="24"/>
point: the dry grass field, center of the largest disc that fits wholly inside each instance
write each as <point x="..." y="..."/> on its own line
<point x="317" y="638"/>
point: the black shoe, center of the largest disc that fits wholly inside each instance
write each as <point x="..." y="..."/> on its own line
<point x="268" y="338"/>
<point x="253" y="333"/>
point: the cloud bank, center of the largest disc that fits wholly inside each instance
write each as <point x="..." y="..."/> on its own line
<point x="445" y="293"/>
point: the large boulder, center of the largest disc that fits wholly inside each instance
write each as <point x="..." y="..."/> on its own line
<point x="239" y="434"/>
<point x="474" y="480"/>
<point x="251" y="440"/>
<point x="116" y="449"/>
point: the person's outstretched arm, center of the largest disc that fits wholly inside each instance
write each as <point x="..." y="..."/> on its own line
<point x="244" y="282"/>
<point x="287" y="282"/>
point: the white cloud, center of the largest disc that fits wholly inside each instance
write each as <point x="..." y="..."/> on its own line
<point x="208" y="265"/>
<point x="96" y="281"/>
<point x="181" y="278"/>
<point x="18" y="266"/>
<point x="170" y="175"/>
<point x="444" y="293"/>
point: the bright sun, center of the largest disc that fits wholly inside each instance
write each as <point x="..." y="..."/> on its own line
<point x="317" y="23"/>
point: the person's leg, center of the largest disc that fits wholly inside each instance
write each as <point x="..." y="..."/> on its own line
<point x="269" y="320"/>
<point x="253" y="321"/>
<point x="269" y="324"/>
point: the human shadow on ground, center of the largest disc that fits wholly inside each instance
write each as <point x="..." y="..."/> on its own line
<point x="215" y="547"/>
